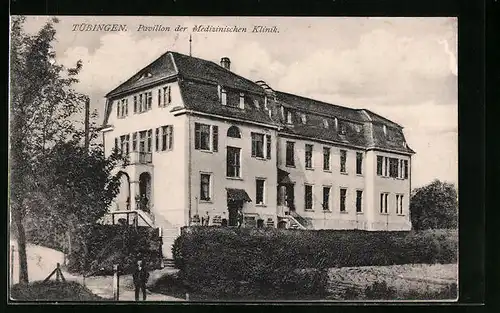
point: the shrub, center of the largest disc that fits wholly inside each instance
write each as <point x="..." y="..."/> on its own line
<point x="449" y="292"/>
<point x="380" y="291"/>
<point x="53" y="291"/>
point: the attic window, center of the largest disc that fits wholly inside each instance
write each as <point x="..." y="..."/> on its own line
<point x="385" y="129"/>
<point x="357" y="127"/>
<point x="223" y="96"/>
<point x="146" y="75"/>
<point x="303" y="118"/>
<point x="242" y="100"/>
<point x="325" y="123"/>
<point x="342" y="128"/>
<point x="256" y="103"/>
<point x="289" y="117"/>
<point x="265" y="102"/>
<point x="336" y="121"/>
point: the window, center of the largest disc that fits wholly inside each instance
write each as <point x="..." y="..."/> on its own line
<point x="289" y="117"/>
<point x="144" y="103"/>
<point x="359" y="201"/>
<point x="303" y="117"/>
<point x="142" y="141"/>
<point x="134" y="141"/>
<point x="384" y="202"/>
<point x="325" y="123"/>
<point x="167" y="95"/>
<point x="343" y="194"/>
<point x="393" y="167"/>
<point x="359" y="163"/>
<point x="233" y="132"/>
<point x="242" y="101"/>
<point x="326" y="159"/>
<point x="149" y="100"/>
<point x="135" y="104"/>
<point x="167" y="137"/>
<point x="380" y="163"/>
<point x="160" y="97"/>
<point x="259" y="190"/>
<point x="405" y="166"/>
<point x="343" y="161"/>
<point x="342" y="128"/>
<point x="336" y="122"/>
<point x="233" y="162"/>
<point x="290" y="153"/>
<point x="309" y="155"/>
<point x="202" y="137"/>
<point x="205" y="187"/>
<point x="122" y="108"/>
<point x="399" y="204"/>
<point x="157" y="139"/>
<point x="268" y="147"/>
<point x="326" y="198"/>
<point x="124" y="141"/>
<point x="308" y="197"/>
<point x="256" y="103"/>
<point x="257" y="145"/>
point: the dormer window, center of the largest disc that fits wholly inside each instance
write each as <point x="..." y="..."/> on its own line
<point x="336" y="121"/>
<point x="223" y="96"/>
<point x="289" y="117"/>
<point x="256" y="103"/>
<point x="265" y="102"/>
<point x="325" y="123"/>
<point x="242" y="100"/>
<point x="342" y="128"/>
<point x="303" y="117"/>
<point x="385" y="130"/>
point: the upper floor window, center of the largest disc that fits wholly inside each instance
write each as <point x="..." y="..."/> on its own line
<point x="290" y="153"/>
<point x="145" y="140"/>
<point x="167" y="137"/>
<point x="359" y="163"/>
<point x="205" y="187"/>
<point x="309" y="156"/>
<point x="343" y="161"/>
<point x="143" y="102"/>
<point x="233" y="155"/>
<point x="124" y="144"/>
<point x="164" y="96"/>
<point x="261" y="145"/>
<point x="233" y="132"/>
<point x="405" y="169"/>
<point x="122" y="108"/>
<point x="326" y="198"/>
<point x="380" y="165"/>
<point x="206" y="137"/>
<point x="393" y="167"/>
<point x="326" y="158"/>
<point x="343" y="195"/>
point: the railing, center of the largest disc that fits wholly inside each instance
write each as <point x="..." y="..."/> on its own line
<point x="131" y="217"/>
<point x="139" y="157"/>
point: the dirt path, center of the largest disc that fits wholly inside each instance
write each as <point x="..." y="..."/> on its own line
<point x="42" y="261"/>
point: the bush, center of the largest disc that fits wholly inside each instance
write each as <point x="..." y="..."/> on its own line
<point x="449" y="292"/>
<point x="380" y="291"/>
<point x="286" y="263"/>
<point x="96" y="248"/>
<point x="53" y="291"/>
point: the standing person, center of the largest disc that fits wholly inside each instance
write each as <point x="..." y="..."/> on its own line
<point x="240" y="218"/>
<point x="140" y="277"/>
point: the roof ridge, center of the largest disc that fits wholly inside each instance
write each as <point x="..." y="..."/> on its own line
<point x="318" y="101"/>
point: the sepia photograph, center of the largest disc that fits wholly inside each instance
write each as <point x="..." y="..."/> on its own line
<point x="233" y="159"/>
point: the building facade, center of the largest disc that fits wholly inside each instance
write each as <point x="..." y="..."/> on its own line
<point x="207" y="146"/>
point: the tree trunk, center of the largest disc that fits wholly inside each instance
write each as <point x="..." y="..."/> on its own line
<point x="21" y="247"/>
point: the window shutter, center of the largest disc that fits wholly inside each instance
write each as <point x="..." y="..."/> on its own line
<point x="117" y="108"/>
<point x="159" y="97"/>
<point x="135" y="104"/>
<point x="116" y="143"/>
<point x="215" y="138"/>
<point x="171" y="137"/>
<point x="157" y="139"/>
<point x="197" y="136"/>
<point x="169" y="97"/>
<point x="268" y="142"/>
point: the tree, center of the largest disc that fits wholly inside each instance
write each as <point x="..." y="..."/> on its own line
<point x="43" y="105"/>
<point x="434" y="206"/>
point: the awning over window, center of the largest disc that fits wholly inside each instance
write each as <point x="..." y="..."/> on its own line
<point x="283" y="178"/>
<point x="237" y="195"/>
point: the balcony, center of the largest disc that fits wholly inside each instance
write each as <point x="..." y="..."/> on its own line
<point x="136" y="157"/>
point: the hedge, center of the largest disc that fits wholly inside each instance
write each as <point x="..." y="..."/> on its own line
<point x="286" y="262"/>
<point x="96" y="248"/>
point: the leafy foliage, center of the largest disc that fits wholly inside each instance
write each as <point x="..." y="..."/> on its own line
<point x="434" y="206"/>
<point x="53" y="291"/>
<point x="380" y="291"/>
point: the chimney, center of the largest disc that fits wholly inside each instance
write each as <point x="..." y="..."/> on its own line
<point x="225" y="63"/>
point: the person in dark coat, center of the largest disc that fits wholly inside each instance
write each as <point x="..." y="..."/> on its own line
<point x="140" y="278"/>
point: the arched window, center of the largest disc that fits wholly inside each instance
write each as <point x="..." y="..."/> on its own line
<point x="234" y="132"/>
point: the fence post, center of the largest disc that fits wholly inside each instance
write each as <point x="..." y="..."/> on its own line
<point x="116" y="283"/>
<point x="12" y="251"/>
<point x="58" y="271"/>
<point x="187" y="296"/>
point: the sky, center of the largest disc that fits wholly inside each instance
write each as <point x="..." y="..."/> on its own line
<point x="402" y="68"/>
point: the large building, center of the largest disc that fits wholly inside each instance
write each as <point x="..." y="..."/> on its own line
<point x="205" y="142"/>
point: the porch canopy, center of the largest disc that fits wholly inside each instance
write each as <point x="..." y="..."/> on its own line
<point x="283" y="178"/>
<point x="234" y="194"/>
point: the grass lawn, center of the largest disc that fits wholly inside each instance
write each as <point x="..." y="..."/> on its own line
<point x="53" y="291"/>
